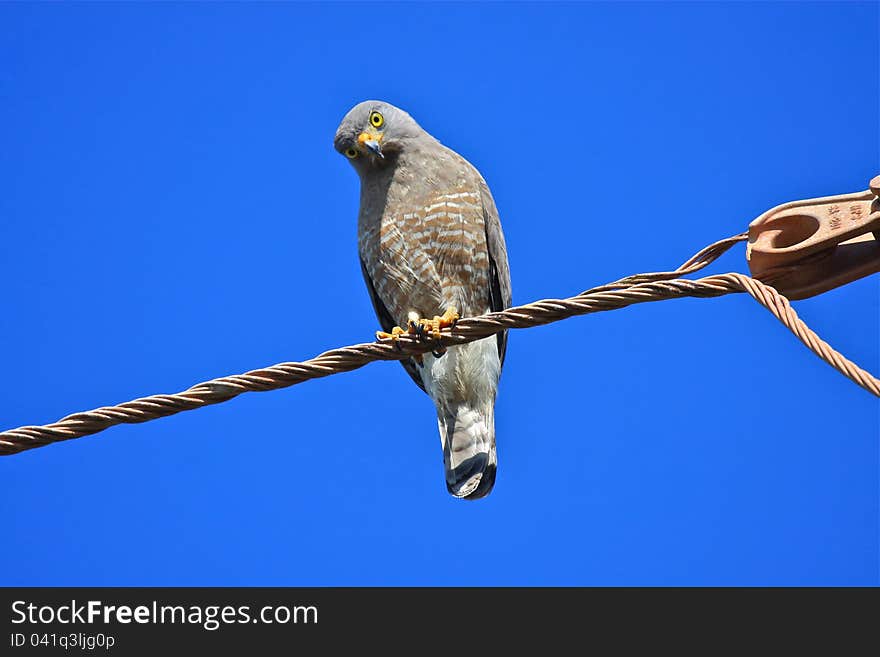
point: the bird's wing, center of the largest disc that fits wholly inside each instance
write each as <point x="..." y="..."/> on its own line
<point x="387" y="323"/>
<point x="499" y="274"/>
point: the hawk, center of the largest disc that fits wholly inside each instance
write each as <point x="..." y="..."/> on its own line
<point x="431" y="246"/>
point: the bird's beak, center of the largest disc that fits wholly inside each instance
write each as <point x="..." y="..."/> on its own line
<point x="371" y="142"/>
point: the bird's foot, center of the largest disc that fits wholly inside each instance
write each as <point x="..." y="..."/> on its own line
<point x="424" y="328"/>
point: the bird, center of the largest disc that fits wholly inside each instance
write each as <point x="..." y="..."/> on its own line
<point x="431" y="246"/>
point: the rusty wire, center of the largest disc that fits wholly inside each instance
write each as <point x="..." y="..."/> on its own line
<point x="640" y="288"/>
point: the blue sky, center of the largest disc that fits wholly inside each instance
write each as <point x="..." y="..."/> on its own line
<point x="173" y="210"/>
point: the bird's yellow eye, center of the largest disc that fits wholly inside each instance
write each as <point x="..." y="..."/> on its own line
<point x="377" y="120"/>
<point x="351" y="153"/>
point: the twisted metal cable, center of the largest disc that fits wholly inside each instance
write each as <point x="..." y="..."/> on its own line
<point x="640" y="288"/>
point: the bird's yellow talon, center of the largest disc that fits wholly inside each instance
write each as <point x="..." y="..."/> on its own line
<point x="395" y="334"/>
<point x="450" y="317"/>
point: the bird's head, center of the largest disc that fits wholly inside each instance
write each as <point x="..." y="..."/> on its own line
<point x="374" y="133"/>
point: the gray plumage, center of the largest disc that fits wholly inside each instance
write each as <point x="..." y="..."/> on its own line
<point x="429" y="238"/>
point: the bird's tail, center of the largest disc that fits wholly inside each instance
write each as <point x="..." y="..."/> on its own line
<point x="468" y="437"/>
